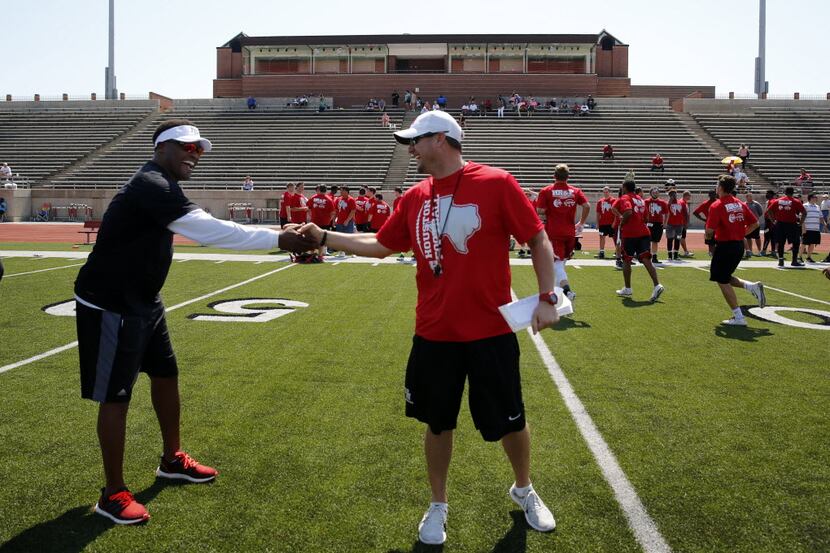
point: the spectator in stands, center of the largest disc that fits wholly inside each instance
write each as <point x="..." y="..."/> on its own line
<point x="5" y="172"/>
<point x="608" y="152"/>
<point x="758" y="210"/>
<point x="465" y="109"/>
<point x="385" y="120"/>
<point x="378" y="213"/>
<point x="322" y="105"/>
<point x="462" y="120"/>
<point x="487" y="106"/>
<point x="284" y="203"/>
<point x="825" y="210"/>
<point x="441" y="102"/>
<point x="298" y="206"/>
<point x="743" y="153"/>
<point x="502" y="104"/>
<point x="584" y="109"/>
<point x="473" y="106"/>
<point x="811" y="226"/>
<point x="657" y="163"/>
<point x="381" y="104"/>
<point x="398" y="195"/>
<point x="553" y="106"/>
<point x="303" y="101"/>
<point x="248" y="184"/>
<point x="371" y="105"/>
<point x="805" y="181"/>
<point x="564" y="106"/>
<point x="395" y="98"/>
<point x="407" y="100"/>
<point x="251" y="102"/>
<point x="3" y="209"/>
<point x="576" y="109"/>
<point x="590" y="102"/>
<point x="741" y="178"/>
<point x="426" y="107"/>
<point x="120" y="316"/>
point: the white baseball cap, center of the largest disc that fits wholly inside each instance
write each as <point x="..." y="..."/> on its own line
<point x="184" y="133"/>
<point x="431" y="122"/>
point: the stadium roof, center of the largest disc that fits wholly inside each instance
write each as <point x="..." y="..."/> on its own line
<point x="244" y="40"/>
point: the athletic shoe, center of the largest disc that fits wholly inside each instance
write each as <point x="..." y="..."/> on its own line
<point x="601" y="255"/>
<point x="658" y="291"/>
<point x="184" y="467"/>
<point x="747" y="254"/>
<point x="618" y="265"/>
<point x="341" y="255"/>
<point x="571" y="295"/>
<point x="538" y="516"/>
<point x="757" y="290"/>
<point x="797" y="264"/>
<point x="401" y="258"/>
<point x="688" y="254"/>
<point x="759" y="254"/>
<point x="734" y="321"/>
<point x="625" y="292"/>
<point x="780" y="262"/>
<point x="810" y="260"/>
<point x="121" y="508"/>
<point x="521" y="254"/>
<point x="433" y="527"/>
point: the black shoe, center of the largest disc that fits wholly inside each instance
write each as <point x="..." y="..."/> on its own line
<point x="780" y="262"/>
<point x="601" y="255"/>
<point x="797" y="263"/>
<point x="810" y="260"/>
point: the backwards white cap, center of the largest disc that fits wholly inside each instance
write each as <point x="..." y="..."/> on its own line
<point x="184" y="133"/>
<point x="431" y="122"/>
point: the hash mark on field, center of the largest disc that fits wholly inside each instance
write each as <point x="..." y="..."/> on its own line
<point x="220" y="261"/>
<point x="44" y="270"/>
<point x="643" y="527"/>
<point x="182" y="260"/>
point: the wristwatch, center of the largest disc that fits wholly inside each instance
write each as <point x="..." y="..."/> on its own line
<point x="549" y="297"/>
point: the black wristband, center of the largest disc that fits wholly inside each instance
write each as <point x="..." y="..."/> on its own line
<point x="323" y="240"/>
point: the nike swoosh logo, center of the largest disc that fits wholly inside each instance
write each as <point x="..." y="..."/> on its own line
<point x="514" y="418"/>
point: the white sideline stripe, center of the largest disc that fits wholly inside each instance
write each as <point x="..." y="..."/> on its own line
<point x="644" y="528"/>
<point x="767" y="287"/>
<point x="177" y="306"/>
<point x="43" y="270"/>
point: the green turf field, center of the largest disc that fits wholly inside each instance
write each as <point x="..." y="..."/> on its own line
<point x="722" y="432"/>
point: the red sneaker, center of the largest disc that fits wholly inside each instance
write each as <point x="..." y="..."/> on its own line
<point x="121" y="508"/>
<point x="184" y="467"/>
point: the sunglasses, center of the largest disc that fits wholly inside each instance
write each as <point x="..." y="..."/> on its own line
<point x="413" y="141"/>
<point x="190" y="147"/>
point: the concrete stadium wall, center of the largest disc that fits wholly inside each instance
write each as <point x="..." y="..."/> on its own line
<point x="81" y="104"/>
<point x="704" y="105"/>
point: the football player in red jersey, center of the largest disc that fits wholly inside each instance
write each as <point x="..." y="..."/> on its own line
<point x="786" y="214"/>
<point x="558" y="202"/>
<point x="657" y="215"/>
<point x="728" y="222"/>
<point x="605" y="219"/>
<point x="631" y="209"/>
<point x="458" y="222"/>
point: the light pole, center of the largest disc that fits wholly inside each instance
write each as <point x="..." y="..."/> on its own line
<point x="110" y="90"/>
<point x="761" y="84"/>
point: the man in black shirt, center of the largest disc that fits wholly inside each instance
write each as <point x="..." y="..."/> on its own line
<point x="120" y="316"/>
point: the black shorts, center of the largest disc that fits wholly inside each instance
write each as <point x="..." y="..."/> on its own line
<point x="607" y="230"/>
<point x="283" y="221"/>
<point x="639" y="247"/>
<point x="362" y="227"/>
<point x="811" y="237"/>
<point x="725" y="260"/>
<point x="709" y="242"/>
<point x="683" y="235"/>
<point x="656" y="230"/>
<point x="114" y="348"/>
<point x="791" y="232"/>
<point x="435" y="376"/>
<point x="755" y="234"/>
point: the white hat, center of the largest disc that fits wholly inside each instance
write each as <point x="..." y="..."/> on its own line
<point x="431" y="122"/>
<point x="184" y="133"/>
<point x="670" y="181"/>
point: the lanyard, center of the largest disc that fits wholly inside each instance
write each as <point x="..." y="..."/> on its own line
<point x="435" y="203"/>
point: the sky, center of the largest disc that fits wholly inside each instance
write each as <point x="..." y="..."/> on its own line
<point x="169" y="46"/>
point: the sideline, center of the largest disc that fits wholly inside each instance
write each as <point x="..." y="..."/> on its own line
<point x="43" y="270"/>
<point x="641" y="524"/>
<point x="169" y="309"/>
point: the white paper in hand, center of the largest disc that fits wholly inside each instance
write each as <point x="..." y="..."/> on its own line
<point x="519" y="313"/>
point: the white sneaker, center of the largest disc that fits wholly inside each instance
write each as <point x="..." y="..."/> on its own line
<point x="571" y="295"/>
<point x="625" y="292"/>
<point x="734" y="321"/>
<point x="757" y="290"/>
<point x="433" y="527"/>
<point x="341" y="254"/>
<point x="538" y="516"/>
<point x="658" y="291"/>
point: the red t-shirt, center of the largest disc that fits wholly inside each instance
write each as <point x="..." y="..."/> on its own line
<point x="730" y="218"/>
<point x="559" y="201"/>
<point x="635" y="226"/>
<point x="786" y="209"/>
<point x="380" y="212"/>
<point x="362" y="206"/>
<point x="298" y="200"/>
<point x="677" y="213"/>
<point x="657" y="160"/>
<point x="286" y="199"/>
<point x="396" y="202"/>
<point x="703" y="208"/>
<point x="321" y="208"/>
<point x="656" y="209"/>
<point x="607" y="149"/>
<point x="604" y="214"/>
<point x="344" y="207"/>
<point x="489" y="206"/>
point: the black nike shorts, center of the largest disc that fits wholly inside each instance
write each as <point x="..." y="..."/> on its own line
<point x="114" y="348"/>
<point x="435" y="377"/>
<point x="656" y="231"/>
<point x="725" y="260"/>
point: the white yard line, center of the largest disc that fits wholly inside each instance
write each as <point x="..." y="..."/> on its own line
<point x="642" y="525"/>
<point x="768" y="287"/>
<point x="177" y="306"/>
<point x="43" y="270"/>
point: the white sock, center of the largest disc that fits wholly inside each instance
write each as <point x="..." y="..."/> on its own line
<point x="748" y="285"/>
<point x="737" y="313"/>
<point x="521" y="492"/>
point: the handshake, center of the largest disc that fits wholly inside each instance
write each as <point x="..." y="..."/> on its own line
<point x="300" y="238"/>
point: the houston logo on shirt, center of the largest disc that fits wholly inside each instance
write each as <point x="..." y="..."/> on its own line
<point x="463" y="222"/>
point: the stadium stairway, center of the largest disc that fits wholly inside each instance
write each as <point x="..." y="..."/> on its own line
<point x="399" y="164"/>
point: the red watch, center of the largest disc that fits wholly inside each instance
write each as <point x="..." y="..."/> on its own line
<point x="549" y="297"/>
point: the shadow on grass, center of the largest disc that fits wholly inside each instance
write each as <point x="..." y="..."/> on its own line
<point x="742" y="333"/>
<point x="75" y="529"/>
<point x="566" y="323"/>
<point x="514" y="541"/>
<point x="419" y="547"/>
<point x="628" y="302"/>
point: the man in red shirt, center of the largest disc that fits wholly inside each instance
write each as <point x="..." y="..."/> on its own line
<point x="558" y="202"/>
<point x="786" y="214"/>
<point x="607" y="152"/>
<point x="657" y="215"/>
<point x="657" y="163"/>
<point x="702" y="212"/>
<point x="378" y="213"/>
<point x="286" y="199"/>
<point x="605" y="219"/>
<point x="298" y="206"/>
<point x="361" y="215"/>
<point x="459" y="222"/>
<point x="322" y="213"/>
<point x="398" y="196"/>
<point x="675" y="225"/>
<point x="345" y="205"/>
<point x="728" y="222"/>
<point x="635" y="237"/>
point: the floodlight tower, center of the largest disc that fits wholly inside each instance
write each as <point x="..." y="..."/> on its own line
<point x="761" y="84"/>
<point x="110" y="91"/>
